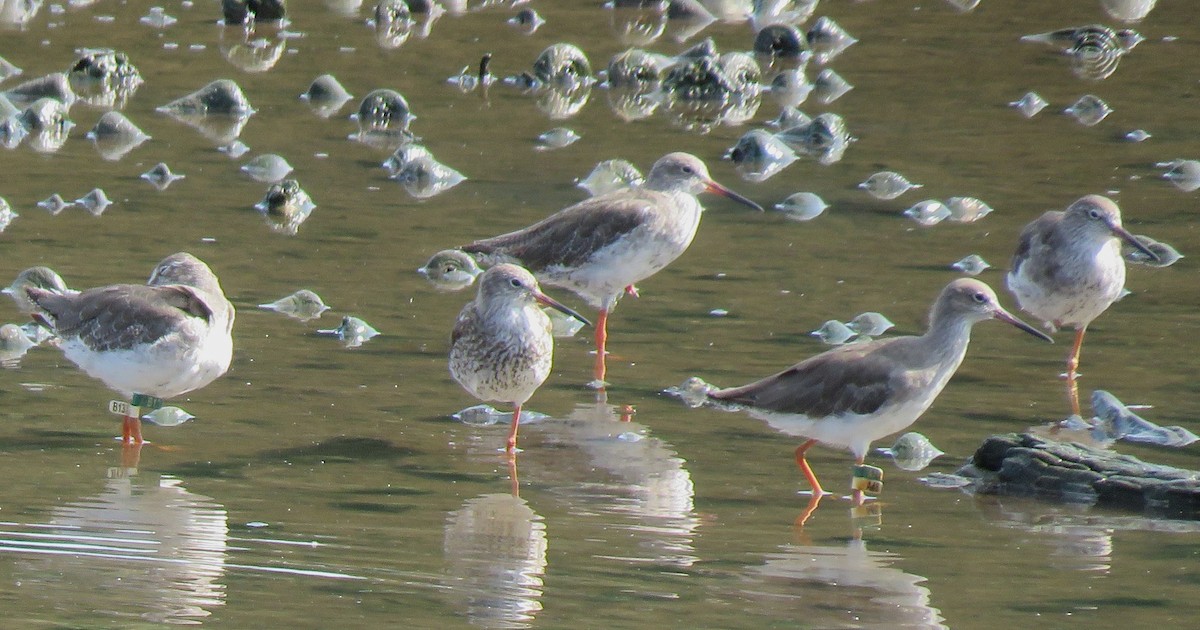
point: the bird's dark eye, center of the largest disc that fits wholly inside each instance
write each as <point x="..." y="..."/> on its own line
<point x="980" y="298"/>
<point x="516" y="282"/>
<point x="1093" y="214"/>
<point x="687" y="170"/>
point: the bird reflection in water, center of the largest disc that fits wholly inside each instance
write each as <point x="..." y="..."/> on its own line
<point x="143" y="548"/>
<point x="634" y="479"/>
<point x="841" y="586"/>
<point x="495" y="551"/>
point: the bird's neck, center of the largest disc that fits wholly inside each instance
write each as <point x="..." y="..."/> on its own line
<point x="946" y="340"/>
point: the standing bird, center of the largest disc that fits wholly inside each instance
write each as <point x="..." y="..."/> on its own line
<point x="855" y="394"/>
<point x="1068" y="269"/>
<point x="501" y="348"/>
<point x="601" y="247"/>
<point x="147" y="342"/>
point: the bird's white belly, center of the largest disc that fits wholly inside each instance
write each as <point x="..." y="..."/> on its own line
<point x="164" y="369"/>
<point x="502" y="367"/>
<point x="631" y="259"/>
<point x="852" y="431"/>
<point x="1077" y="300"/>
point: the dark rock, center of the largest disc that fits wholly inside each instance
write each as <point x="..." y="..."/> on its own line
<point x="384" y="110"/>
<point x="239" y="11"/>
<point x="268" y="10"/>
<point x="1027" y="465"/>
<point x="562" y="64"/>
<point x="781" y="40"/>
<point x="235" y="11"/>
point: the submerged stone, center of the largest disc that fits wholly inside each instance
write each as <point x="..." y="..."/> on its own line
<point x="286" y="206"/>
<point x="161" y="176"/>
<point x="326" y="96"/>
<point x="55" y="86"/>
<point x="609" y="176"/>
<point x="114" y="135"/>
<point x="802" y="206"/>
<point x="450" y="270"/>
<point x="887" y="185"/>
<point x="222" y="96"/>
<point x="104" y="78"/>
<point x="302" y="305"/>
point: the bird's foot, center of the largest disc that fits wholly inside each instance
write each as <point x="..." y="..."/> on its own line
<point x="1073" y="422"/>
<point x="632" y="291"/>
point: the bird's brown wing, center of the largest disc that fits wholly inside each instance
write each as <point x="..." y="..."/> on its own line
<point x="850" y="379"/>
<point x="572" y="235"/>
<point x="1038" y="239"/>
<point x="463" y="324"/>
<point x="120" y="316"/>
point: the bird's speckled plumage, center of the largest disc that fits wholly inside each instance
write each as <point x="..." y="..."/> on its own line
<point x="602" y="247"/>
<point x="1068" y="268"/>
<point x="501" y="349"/>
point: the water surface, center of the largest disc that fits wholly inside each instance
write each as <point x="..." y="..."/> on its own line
<point x="323" y="486"/>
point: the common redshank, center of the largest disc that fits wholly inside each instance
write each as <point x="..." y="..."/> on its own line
<point x="1068" y="269"/>
<point x="501" y="348"/>
<point x="147" y="342"/>
<point x="854" y="394"/>
<point x="601" y="247"/>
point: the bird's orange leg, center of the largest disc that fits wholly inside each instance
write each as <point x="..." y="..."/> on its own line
<point x="804" y="468"/>
<point x="1072" y="371"/>
<point x="817" y="492"/>
<point x="511" y="444"/>
<point x="601" y="341"/>
<point x="512" y="476"/>
<point x="131" y="430"/>
<point x="136" y="433"/>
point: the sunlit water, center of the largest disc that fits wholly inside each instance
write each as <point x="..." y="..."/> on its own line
<point x="321" y="485"/>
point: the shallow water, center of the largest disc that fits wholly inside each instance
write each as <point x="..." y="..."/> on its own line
<point x="320" y="485"/>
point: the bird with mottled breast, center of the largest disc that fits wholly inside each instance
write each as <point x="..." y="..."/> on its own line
<point x="1068" y="269"/>
<point x="601" y="247"/>
<point x="501" y="349"/>
<point x="148" y="342"/>
<point x="855" y="394"/>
